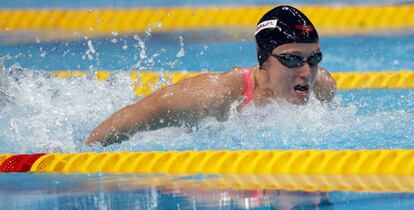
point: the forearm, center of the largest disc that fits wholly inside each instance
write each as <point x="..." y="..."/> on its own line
<point x="121" y="124"/>
<point x="325" y="86"/>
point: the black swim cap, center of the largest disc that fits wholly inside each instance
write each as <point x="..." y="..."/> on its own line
<point x="281" y="25"/>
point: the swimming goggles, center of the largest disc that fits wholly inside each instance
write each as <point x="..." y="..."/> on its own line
<point x="292" y="61"/>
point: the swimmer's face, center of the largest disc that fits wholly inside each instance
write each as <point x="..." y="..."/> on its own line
<point x="293" y="84"/>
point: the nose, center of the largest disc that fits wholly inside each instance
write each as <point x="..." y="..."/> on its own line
<point x="305" y="71"/>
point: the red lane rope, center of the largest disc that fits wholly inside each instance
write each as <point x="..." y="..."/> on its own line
<point x="19" y="163"/>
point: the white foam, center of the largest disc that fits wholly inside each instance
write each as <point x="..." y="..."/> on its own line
<point x="39" y="113"/>
<point x="43" y="113"/>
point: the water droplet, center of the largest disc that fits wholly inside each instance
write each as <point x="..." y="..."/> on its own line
<point x="149" y="30"/>
<point x="181" y="52"/>
<point x="90" y="51"/>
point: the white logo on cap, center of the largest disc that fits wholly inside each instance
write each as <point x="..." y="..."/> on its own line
<point x="265" y="24"/>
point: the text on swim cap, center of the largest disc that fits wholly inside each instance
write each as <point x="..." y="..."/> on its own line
<point x="265" y="24"/>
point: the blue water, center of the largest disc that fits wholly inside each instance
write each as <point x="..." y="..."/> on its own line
<point x="354" y="53"/>
<point x="57" y="114"/>
<point x="96" y="191"/>
<point x="43" y="114"/>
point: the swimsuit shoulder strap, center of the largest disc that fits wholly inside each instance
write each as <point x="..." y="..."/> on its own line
<point x="248" y="85"/>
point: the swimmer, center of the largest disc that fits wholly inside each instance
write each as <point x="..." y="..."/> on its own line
<point x="288" y="53"/>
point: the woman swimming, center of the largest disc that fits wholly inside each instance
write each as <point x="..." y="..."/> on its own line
<point x="288" y="53"/>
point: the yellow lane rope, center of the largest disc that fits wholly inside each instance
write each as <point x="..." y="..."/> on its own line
<point x="147" y="81"/>
<point x="329" y="19"/>
<point x="362" y="170"/>
<point x="3" y="157"/>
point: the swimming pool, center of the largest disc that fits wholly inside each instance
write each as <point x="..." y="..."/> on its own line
<point x="40" y="113"/>
<point x="360" y="119"/>
<point x="96" y="191"/>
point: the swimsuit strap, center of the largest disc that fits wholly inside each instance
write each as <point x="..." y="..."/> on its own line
<point x="248" y="85"/>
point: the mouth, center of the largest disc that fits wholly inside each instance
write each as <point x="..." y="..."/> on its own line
<point x="301" y="89"/>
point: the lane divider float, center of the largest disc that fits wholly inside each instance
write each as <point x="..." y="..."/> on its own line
<point x="311" y="170"/>
<point x="329" y="19"/>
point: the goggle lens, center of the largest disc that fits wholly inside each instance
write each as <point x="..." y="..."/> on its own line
<point x="292" y="61"/>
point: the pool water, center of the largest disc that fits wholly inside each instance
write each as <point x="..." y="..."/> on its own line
<point x="44" y="114"/>
<point x="40" y="113"/>
<point x="128" y="191"/>
<point x="194" y="51"/>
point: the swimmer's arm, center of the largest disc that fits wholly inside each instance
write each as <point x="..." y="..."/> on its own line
<point x="325" y="86"/>
<point x="125" y="122"/>
<point x="185" y="102"/>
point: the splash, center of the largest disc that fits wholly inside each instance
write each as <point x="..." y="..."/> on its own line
<point x="283" y="126"/>
<point x="144" y="60"/>
<point x="40" y="113"/>
<point x="181" y="52"/>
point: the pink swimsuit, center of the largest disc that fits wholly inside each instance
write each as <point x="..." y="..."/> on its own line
<point x="248" y="86"/>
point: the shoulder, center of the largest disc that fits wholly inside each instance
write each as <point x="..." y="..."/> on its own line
<point x="227" y="80"/>
<point x="325" y="77"/>
<point x="224" y="86"/>
<point x="325" y="85"/>
<point x="233" y="80"/>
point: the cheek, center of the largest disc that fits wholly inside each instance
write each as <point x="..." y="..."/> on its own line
<point x="279" y="75"/>
<point x="282" y="77"/>
<point x="314" y="72"/>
